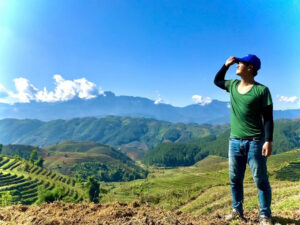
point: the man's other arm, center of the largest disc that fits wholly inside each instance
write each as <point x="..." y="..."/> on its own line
<point x="269" y="128"/>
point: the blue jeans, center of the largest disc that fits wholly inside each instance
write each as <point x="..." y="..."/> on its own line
<point x="249" y="151"/>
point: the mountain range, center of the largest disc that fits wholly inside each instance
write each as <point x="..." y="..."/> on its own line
<point x="132" y="136"/>
<point x="216" y="112"/>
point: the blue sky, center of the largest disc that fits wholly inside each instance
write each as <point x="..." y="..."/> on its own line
<point x="168" y="51"/>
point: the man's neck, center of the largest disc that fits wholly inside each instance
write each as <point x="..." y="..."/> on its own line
<point x="247" y="80"/>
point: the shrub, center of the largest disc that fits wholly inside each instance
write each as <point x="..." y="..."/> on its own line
<point x="93" y="188"/>
<point x="39" y="162"/>
<point x="33" y="156"/>
<point x="50" y="196"/>
<point x="6" y="198"/>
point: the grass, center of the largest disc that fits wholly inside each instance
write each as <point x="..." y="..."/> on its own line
<point x="204" y="187"/>
<point x="169" y="188"/>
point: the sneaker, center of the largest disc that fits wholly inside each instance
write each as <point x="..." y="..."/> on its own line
<point x="234" y="215"/>
<point x="264" y="220"/>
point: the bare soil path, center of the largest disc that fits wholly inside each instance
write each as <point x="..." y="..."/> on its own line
<point x="59" y="213"/>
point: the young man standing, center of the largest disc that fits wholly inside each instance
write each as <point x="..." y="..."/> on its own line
<point x="251" y="133"/>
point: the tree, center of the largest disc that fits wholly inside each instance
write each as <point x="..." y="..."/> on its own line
<point x="39" y="162"/>
<point x="26" y="167"/>
<point x="1" y="148"/>
<point x="33" y="156"/>
<point x="78" y="177"/>
<point x="93" y="188"/>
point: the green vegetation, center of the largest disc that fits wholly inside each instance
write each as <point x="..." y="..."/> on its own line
<point x="173" y="154"/>
<point x="289" y="172"/>
<point x="121" y="132"/>
<point x="39" y="162"/>
<point x="33" y="156"/>
<point x="204" y="187"/>
<point x="108" y="172"/>
<point x="168" y="188"/>
<point x="23" y="151"/>
<point x="286" y="137"/>
<point x="26" y="183"/>
<point x="93" y="188"/>
<point x="81" y="157"/>
<point x="92" y="159"/>
<point x="199" y="188"/>
<point x="48" y="196"/>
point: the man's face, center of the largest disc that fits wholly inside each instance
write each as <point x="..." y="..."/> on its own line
<point x="242" y="68"/>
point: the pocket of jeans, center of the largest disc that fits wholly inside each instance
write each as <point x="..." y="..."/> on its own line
<point x="234" y="147"/>
<point x="256" y="146"/>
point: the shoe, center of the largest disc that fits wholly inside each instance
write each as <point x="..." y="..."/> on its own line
<point x="234" y="215"/>
<point x="264" y="220"/>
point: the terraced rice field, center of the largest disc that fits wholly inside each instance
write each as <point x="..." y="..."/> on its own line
<point x="218" y="199"/>
<point x="20" y="185"/>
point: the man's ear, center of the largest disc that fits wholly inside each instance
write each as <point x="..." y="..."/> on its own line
<point x="250" y="67"/>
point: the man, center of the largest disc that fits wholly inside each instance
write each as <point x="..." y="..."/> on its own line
<point x="251" y="133"/>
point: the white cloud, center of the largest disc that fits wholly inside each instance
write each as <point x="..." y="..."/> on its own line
<point x="158" y="100"/>
<point x="3" y="92"/>
<point x="100" y="91"/>
<point x="64" y="90"/>
<point x="201" y="100"/>
<point x="25" y="90"/>
<point x="45" y="96"/>
<point x="2" y="88"/>
<point x="86" y="89"/>
<point x="4" y="100"/>
<point x="293" y="99"/>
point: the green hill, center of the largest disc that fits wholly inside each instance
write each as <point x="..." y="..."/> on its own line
<point x="286" y="137"/>
<point x="133" y="136"/>
<point x="21" y="182"/>
<point x="91" y="159"/>
<point x="82" y="159"/>
<point x="20" y="150"/>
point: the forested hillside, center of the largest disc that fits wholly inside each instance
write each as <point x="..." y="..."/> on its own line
<point x="133" y="136"/>
<point x="22" y="151"/>
<point x="286" y="137"/>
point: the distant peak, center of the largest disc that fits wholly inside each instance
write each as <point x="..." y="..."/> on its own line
<point x="109" y="94"/>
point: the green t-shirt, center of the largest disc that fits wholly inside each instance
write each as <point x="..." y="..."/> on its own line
<point x="246" y="109"/>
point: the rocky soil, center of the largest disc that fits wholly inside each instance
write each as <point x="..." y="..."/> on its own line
<point x="60" y="213"/>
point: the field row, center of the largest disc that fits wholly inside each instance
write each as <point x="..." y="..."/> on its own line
<point x="20" y="182"/>
<point x="218" y="199"/>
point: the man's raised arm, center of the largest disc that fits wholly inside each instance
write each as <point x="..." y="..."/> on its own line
<point x="220" y="76"/>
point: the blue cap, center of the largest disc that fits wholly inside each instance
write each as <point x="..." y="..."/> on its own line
<point x="252" y="59"/>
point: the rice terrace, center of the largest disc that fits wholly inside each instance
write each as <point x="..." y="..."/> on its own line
<point x="197" y="194"/>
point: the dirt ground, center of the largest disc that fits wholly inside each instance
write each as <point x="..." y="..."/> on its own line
<point x="60" y="213"/>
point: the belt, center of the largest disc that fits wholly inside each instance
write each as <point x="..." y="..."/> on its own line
<point x="248" y="138"/>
